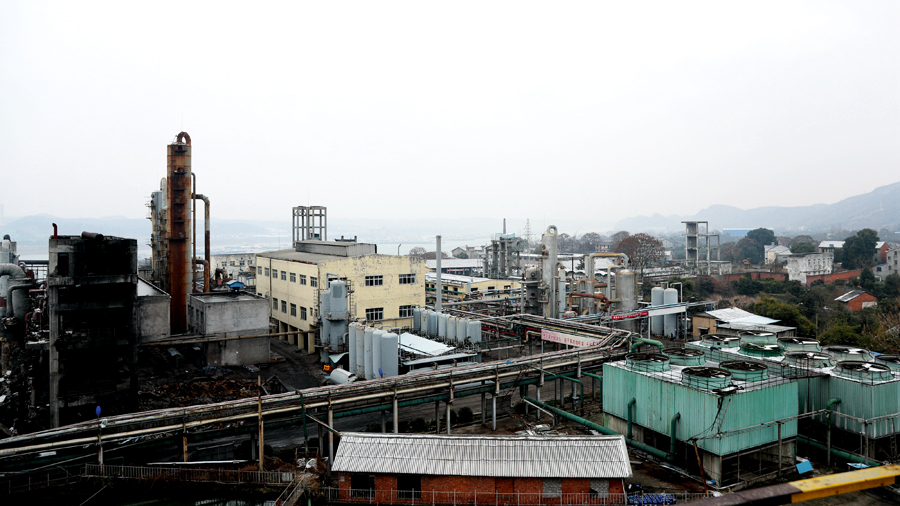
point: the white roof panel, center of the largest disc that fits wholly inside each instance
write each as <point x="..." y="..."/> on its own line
<point x="422" y="346"/>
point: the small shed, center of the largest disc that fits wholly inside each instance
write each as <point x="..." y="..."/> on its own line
<point x="469" y="469"/>
<point x="856" y="300"/>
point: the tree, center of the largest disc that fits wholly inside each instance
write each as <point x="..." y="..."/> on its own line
<point x="616" y="239"/>
<point x="787" y="313"/>
<point x="566" y="243"/>
<point x="642" y="250"/>
<point x="804" y="238"/>
<point x="418" y="251"/>
<point x="762" y="236"/>
<point x="747" y="248"/>
<point x="867" y="280"/>
<point x="729" y="251"/>
<point x="798" y="248"/>
<point x="859" y="249"/>
<point x="462" y="254"/>
<point x="432" y="255"/>
<point x="590" y="242"/>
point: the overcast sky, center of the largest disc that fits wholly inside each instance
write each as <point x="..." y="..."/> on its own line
<point x="598" y="110"/>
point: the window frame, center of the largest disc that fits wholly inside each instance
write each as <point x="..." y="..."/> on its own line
<point x="407" y="279"/>
<point x="375" y="280"/>
<point x="373" y="314"/>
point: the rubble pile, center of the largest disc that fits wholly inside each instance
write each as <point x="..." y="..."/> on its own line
<point x="197" y="391"/>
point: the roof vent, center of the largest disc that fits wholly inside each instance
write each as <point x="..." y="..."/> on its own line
<point x="648" y="362"/>
<point x="760" y="350"/>
<point x="744" y="370"/>
<point x="808" y="359"/>
<point x="891" y="361"/>
<point x="685" y="356"/>
<point x="841" y="353"/>
<point x="708" y="378"/>
<point x="758" y="337"/>
<point x="798" y="344"/>
<point x="720" y="341"/>
<point x="863" y="371"/>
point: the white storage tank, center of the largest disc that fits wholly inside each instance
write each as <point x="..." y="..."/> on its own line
<point x="432" y="323"/>
<point x="656" y="322"/>
<point x="462" y="330"/>
<point x="360" y="351"/>
<point x="442" y="324"/>
<point x="376" y="351"/>
<point x="390" y="354"/>
<point x="351" y="347"/>
<point x="423" y="321"/>
<point x="451" y="329"/>
<point x="474" y="331"/>
<point x="670" y="322"/>
<point x="367" y="353"/>
<point x="417" y="318"/>
<point x="325" y="311"/>
<point x="341" y="377"/>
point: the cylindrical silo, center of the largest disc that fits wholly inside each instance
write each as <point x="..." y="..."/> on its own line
<point x="474" y="331"/>
<point x="462" y="330"/>
<point x="360" y="352"/>
<point x="367" y="350"/>
<point x="670" y="322"/>
<point x="417" y="318"/>
<point x="390" y="354"/>
<point x="351" y="347"/>
<point x="423" y="323"/>
<point x="325" y="311"/>
<point x="376" y="351"/>
<point x="432" y="323"/>
<point x="442" y="324"/>
<point x="451" y="329"/>
<point x="656" y="322"/>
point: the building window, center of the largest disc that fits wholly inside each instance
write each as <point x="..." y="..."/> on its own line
<point x="283" y="275"/>
<point x="407" y="279"/>
<point x="409" y="486"/>
<point x="374" y="280"/>
<point x="293" y="278"/>
<point x="406" y="311"/>
<point x="284" y="306"/>
<point x="375" y="314"/>
<point x="302" y="313"/>
<point x="490" y="288"/>
<point x="275" y="304"/>
<point x="313" y="281"/>
<point x="267" y="271"/>
<point x="242" y="263"/>
<point x="303" y="279"/>
<point x="231" y="263"/>
<point x="275" y="273"/>
<point x="293" y="309"/>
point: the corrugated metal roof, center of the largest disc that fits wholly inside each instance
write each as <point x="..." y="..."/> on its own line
<point x="754" y="320"/>
<point x="422" y="346"/>
<point x="847" y="297"/>
<point x="506" y="456"/>
<point x="729" y="314"/>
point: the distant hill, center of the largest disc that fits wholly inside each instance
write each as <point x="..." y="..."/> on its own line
<point x="877" y="209"/>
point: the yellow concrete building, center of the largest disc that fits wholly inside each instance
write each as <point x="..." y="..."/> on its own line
<point x="458" y="288"/>
<point x="382" y="288"/>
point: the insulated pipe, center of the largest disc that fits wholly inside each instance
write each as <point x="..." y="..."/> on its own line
<point x="10" y="310"/>
<point x="437" y="272"/>
<point x="652" y="342"/>
<point x="844" y="455"/>
<point x="628" y="416"/>
<point x="206" y="283"/>
<point x="14" y="272"/>
<point x="673" y="425"/>
<point x="194" y="243"/>
<point x="599" y="428"/>
<point x="206" y="247"/>
<point x="55" y="235"/>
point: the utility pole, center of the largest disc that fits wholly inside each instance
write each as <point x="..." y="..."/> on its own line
<point x="260" y="422"/>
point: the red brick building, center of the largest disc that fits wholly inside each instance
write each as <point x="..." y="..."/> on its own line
<point x="436" y="469"/>
<point x="856" y="300"/>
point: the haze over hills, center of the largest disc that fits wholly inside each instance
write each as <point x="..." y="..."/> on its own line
<point x="877" y="209"/>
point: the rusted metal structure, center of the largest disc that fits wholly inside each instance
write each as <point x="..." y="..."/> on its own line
<point x="179" y="264"/>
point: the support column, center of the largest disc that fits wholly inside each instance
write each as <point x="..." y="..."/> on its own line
<point x="396" y="416"/>
<point x="184" y="447"/>
<point x="494" y="413"/>
<point x="448" y="419"/>
<point x="483" y="409"/>
<point x="383" y="423"/>
<point x="330" y="436"/>
<point x="437" y="417"/>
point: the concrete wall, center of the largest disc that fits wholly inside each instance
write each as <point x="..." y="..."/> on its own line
<point x="152" y="313"/>
<point x="238" y="317"/>
<point x="238" y="352"/>
<point x="831" y="278"/>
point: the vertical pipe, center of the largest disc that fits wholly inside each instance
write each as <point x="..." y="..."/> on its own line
<point x="184" y="447"/>
<point x="437" y="417"/>
<point x="260" y="421"/>
<point x="483" y="408"/>
<point x="396" y="416"/>
<point x="330" y="436"/>
<point x="448" y="418"/>
<point x="438" y="286"/>
<point x="780" y="455"/>
<point x="383" y="423"/>
<point x="494" y="413"/>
